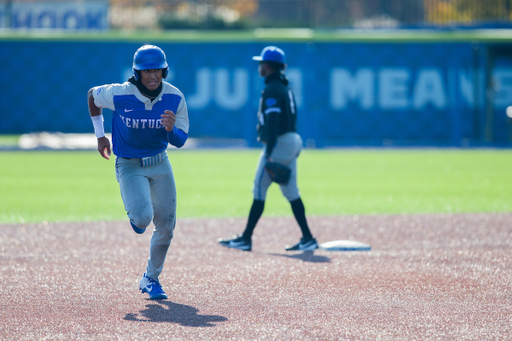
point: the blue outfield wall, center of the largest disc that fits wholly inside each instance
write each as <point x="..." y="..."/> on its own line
<point x="366" y="94"/>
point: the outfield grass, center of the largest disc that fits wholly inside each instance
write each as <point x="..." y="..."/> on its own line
<point x="9" y="140"/>
<point x="268" y="35"/>
<point x="79" y="186"/>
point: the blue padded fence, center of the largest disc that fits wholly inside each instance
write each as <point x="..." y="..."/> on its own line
<point x="368" y="94"/>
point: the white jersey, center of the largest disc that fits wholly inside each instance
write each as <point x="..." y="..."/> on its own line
<point x="137" y="129"/>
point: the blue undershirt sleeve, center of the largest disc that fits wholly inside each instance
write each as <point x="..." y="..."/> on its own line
<point x="177" y="137"/>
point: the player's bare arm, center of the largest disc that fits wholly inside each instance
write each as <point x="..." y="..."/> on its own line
<point x="168" y="120"/>
<point x="95" y="113"/>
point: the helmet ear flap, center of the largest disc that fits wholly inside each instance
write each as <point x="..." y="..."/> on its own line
<point x="136" y="74"/>
<point x="165" y="72"/>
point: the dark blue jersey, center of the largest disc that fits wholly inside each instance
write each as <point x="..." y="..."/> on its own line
<point x="277" y="113"/>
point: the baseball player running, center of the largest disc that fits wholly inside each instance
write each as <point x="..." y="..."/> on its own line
<point x="277" y="131"/>
<point x="148" y="114"/>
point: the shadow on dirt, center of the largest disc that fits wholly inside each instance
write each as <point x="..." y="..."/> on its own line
<point x="167" y="311"/>
<point x="305" y="257"/>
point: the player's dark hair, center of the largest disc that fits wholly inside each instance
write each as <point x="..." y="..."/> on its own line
<point x="275" y="66"/>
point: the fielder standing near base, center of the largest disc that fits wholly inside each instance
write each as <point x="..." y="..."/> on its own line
<point x="277" y="117"/>
<point x="148" y="114"/>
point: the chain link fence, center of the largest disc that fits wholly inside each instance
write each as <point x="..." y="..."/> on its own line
<point x="314" y="14"/>
<point x="332" y="14"/>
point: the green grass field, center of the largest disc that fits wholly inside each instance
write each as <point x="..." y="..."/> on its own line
<point x="268" y="35"/>
<point x="41" y="186"/>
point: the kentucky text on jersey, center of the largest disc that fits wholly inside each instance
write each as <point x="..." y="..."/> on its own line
<point x="141" y="123"/>
<point x="137" y="129"/>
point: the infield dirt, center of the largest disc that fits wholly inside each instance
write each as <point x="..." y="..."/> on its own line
<point x="446" y="276"/>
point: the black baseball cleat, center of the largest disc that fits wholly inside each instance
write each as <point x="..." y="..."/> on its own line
<point x="303" y="245"/>
<point x="236" y="242"/>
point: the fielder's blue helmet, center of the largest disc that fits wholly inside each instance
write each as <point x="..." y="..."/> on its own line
<point x="271" y="54"/>
<point x="150" y="57"/>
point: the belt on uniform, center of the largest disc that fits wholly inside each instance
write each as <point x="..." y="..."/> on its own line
<point x="148" y="161"/>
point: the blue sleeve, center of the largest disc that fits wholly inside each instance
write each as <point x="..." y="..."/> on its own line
<point x="177" y="137"/>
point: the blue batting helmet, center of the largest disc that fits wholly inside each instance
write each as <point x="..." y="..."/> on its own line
<point x="150" y="57"/>
<point x="271" y="54"/>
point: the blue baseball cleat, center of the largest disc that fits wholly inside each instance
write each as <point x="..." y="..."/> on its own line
<point x="137" y="229"/>
<point x="152" y="287"/>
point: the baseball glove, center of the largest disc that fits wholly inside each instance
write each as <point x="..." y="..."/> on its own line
<point x="278" y="173"/>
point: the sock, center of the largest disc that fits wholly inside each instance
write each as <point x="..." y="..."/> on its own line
<point x="300" y="215"/>
<point x="254" y="215"/>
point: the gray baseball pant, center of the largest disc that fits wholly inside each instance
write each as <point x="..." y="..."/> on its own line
<point x="149" y="193"/>
<point x="285" y="152"/>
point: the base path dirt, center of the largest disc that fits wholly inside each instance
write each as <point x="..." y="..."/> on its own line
<point x="446" y="276"/>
